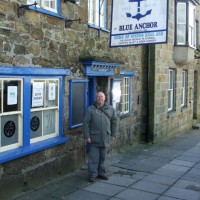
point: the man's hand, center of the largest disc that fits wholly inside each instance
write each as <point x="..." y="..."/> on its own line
<point x="88" y="140"/>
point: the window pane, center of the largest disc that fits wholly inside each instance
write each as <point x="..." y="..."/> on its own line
<point x="181" y="13"/>
<point x="50" y="3"/>
<point x="11" y="96"/>
<point x="181" y="34"/>
<point x="9" y="130"/>
<point x="49" y="121"/>
<point x="37" y="94"/>
<point x="36" y="124"/>
<point x="51" y="93"/>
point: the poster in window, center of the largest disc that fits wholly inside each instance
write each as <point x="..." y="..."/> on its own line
<point x="12" y="95"/>
<point x="52" y="91"/>
<point x="37" y="94"/>
<point x="116" y="91"/>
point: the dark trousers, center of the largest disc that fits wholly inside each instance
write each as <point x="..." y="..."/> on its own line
<point x="96" y="161"/>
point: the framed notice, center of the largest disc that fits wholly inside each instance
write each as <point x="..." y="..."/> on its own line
<point x="138" y="22"/>
<point x="38" y="94"/>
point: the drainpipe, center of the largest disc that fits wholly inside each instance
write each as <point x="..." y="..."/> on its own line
<point x="149" y="137"/>
<point x="147" y="99"/>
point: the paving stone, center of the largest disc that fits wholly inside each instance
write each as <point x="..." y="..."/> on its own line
<point x="183" y="194"/>
<point x="162" y="179"/>
<point x="175" y="168"/>
<point x="120" y="180"/>
<point x="170" y="153"/>
<point x="167" y="198"/>
<point x="150" y="187"/>
<point x="185" y="184"/>
<point x="104" y="188"/>
<point x="169" y="172"/>
<point x="130" y="194"/>
<point x="197" y="166"/>
<point x="189" y="158"/>
<point x="182" y="163"/>
<point x="83" y="195"/>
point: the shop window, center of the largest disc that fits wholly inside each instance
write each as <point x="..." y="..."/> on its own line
<point x="185" y="32"/>
<point x="184" y="88"/>
<point x="50" y="7"/>
<point x="97" y="16"/>
<point x="31" y="110"/>
<point x="78" y="102"/>
<point x="10" y="113"/>
<point x="44" y="109"/>
<point x="171" y="90"/>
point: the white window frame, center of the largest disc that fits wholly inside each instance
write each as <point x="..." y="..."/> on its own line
<point x="184" y="88"/>
<point x="47" y="107"/>
<point x="125" y="95"/>
<point x="185" y="23"/>
<point x="7" y="113"/>
<point x="50" y="5"/>
<point x="171" y="90"/>
<point x="97" y="13"/>
<point x="121" y="95"/>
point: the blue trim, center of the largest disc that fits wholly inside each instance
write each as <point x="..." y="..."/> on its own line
<point x="26" y="111"/>
<point x="33" y="148"/>
<point x="126" y="73"/>
<point x="96" y="68"/>
<point x="27" y="74"/>
<point x="34" y="71"/>
<point x="85" y="81"/>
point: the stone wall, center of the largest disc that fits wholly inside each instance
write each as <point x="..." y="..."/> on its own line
<point x="166" y="123"/>
<point x="40" y="40"/>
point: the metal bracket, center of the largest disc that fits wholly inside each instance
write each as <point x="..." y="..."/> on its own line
<point x="22" y="9"/>
<point x="72" y="1"/>
<point x="196" y="54"/>
<point x="68" y="22"/>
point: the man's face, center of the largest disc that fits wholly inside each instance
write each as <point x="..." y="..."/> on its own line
<point x="100" y="98"/>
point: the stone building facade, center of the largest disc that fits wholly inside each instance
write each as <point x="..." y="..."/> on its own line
<point x="62" y="50"/>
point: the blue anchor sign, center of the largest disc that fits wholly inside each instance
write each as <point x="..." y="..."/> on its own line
<point x="138" y="16"/>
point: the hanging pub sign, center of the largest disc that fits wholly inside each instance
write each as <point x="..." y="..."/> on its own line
<point x="138" y="22"/>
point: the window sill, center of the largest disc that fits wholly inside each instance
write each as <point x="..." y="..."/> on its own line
<point x="171" y="113"/>
<point x="33" y="148"/>
<point x="98" y="27"/>
<point x="33" y="8"/>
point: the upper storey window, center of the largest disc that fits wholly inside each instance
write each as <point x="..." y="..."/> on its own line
<point x="50" y="7"/>
<point x="185" y="32"/>
<point x="97" y="13"/>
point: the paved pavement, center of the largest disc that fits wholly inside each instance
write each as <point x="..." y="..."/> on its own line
<point x="169" y="170"/>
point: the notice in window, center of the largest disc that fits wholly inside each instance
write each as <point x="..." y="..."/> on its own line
<point x="37" y="94"/>
<point x="52" y="92"/>
<point x="116" y="91"/>
<point x="12" y="95"/>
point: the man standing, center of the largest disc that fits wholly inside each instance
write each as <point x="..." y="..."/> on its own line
<point x="100" y="125"/>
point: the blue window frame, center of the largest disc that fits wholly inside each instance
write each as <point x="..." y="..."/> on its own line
<point x="24" y="77"/>
<point x="77" y="102"/>
<point x="49" y="7"/>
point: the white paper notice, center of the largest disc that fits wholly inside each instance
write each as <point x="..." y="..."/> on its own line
<point x="52" y="91"/>
<point x="37" y="94"/>
<point x="12" y="95"/>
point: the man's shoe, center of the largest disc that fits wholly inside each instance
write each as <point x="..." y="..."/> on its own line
<point x="92" y="179"/>
<point x="104" y="177"/>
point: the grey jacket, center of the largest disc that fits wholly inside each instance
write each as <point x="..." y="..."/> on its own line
<point x="98" y="127"/>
